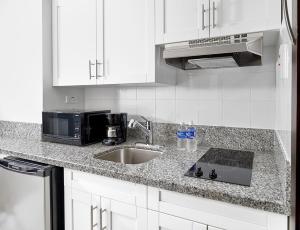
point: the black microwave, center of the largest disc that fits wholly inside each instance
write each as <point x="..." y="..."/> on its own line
<point x="74" y="127"/>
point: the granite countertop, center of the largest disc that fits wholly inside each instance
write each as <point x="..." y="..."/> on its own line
<point x="166" y="171"/>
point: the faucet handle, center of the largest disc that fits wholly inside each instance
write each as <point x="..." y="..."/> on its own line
<point x="131" y="123"/>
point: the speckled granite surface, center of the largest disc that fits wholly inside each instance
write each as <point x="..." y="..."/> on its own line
<point x="270" y="178"/>
<point x="20" y="130"/>
<point x="222" y="137"/>
<point x="284" y="168"/>
<point x="166" y="171"/>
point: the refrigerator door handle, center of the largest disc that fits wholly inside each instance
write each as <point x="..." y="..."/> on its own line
<point x="287" y="21"/>
<point x="19" y="168"/>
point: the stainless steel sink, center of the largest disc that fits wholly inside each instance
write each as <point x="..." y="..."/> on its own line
<point x="129" y="155"/>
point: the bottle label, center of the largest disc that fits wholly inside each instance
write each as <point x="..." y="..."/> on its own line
<point x="181" y="134"/>
<point x="191" y="133"/>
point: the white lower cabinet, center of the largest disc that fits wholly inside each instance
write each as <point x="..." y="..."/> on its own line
<point x="100" y="203"/>
<point x="215" y="214"/>
<point x="81" y="210"/>
<point x="213" y="228"/>
<point x="120" y="216"/>
<point x="85" y="210"/>
<point x="161" y="221"/>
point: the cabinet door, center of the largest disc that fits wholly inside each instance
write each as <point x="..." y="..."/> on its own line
<point x="243" y="16"/>
<point x="161" y="221"/>
<point x="120" y="216"/>
<point x="74" y="42"/>
<point x="181" y="20"/>
<point x="81" y="210"/>
<point x="129" y="41"/>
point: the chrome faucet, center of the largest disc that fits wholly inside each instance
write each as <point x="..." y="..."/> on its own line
<point x="146" y="128"/>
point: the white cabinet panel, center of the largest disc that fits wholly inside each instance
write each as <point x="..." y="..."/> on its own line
<point x="179" y="20"/>
<point x="91" y="201"/>
<point x="81" y="209"/>
<point x="84" y="210"/>
<point x="161" y="221"/>
<point x="129" y="41"/>
<point x="74" y="41"/>
<point x="243" y="16"/>
<point x="197" y="226"/>
<point x="103" y="42"/>
<point x="213" y="228"/>
<point x="100" y="41"/>
<point x="126" y="192"/>
<point x="213" y="213"/>
<point x="120" y="216"/>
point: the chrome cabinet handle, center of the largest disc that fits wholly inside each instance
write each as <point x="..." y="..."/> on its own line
<point x="101" y="219"/>
<point x="92" y="217"/>
<point x="214" y="15"/>
<point x="90" y="69"/>
<point x="203" y="12"/>
<point x="97" y="64"/>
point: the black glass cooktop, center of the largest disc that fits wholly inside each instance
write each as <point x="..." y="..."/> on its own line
<point x="225" y="165"/>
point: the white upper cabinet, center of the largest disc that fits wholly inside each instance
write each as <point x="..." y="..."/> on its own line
<point x="129" y="41"/>
<point x="74" y="42"/>
<point x="243" y="16"/>
<point x="98" y="42"/>
<point x="181" y="20"/>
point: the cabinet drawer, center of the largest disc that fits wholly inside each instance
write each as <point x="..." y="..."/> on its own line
<point x="114" y="189"/>
<point x="213" y="213"/>
<point x="161" y="221"/>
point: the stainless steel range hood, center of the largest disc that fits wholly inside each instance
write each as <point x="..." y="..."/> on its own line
<point x="220" y="52"/>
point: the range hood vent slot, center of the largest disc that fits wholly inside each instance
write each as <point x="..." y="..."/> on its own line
<point x="221" y="52"/>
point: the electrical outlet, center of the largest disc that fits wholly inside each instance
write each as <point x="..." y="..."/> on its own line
<point x="71" y="99"/>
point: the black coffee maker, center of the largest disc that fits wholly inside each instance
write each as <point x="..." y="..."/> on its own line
<point x="116" y="128"/>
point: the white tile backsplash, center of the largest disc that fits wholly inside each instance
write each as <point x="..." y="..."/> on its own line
<point x="128" y="106"/>
<point x="145" y="93"/>
<point x="146" y="108"/>
<point x="237" y="97"/>
<point x="263" y="114"/>
<point x="165" y="92"/>
<point x="186" y="111"/>
<point x="236" y="113"/>
<point x="165" y="110"/>
<point x="96" y="93"/>
<point x="103" y="104"/>
<point x="209" y="112"/>
<point x="260" y="86"/>
<point x="128" y="93"/>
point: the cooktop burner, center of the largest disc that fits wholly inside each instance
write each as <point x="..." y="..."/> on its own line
<point x="225" y="165"/>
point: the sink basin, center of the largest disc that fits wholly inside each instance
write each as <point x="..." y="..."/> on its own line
<point x="129" y="155"/>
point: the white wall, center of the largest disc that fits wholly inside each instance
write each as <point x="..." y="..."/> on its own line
<point x="26" y="63"/>
<point x="284" y="93"/>
<point x="21" y="60"/>
<point x="237" y="97"/>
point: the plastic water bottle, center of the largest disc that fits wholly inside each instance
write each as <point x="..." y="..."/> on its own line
<point x="191" y="135"/>
<point x="181" y="137"/>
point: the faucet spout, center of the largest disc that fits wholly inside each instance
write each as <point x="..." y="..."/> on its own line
<point x="145" y="128"/>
